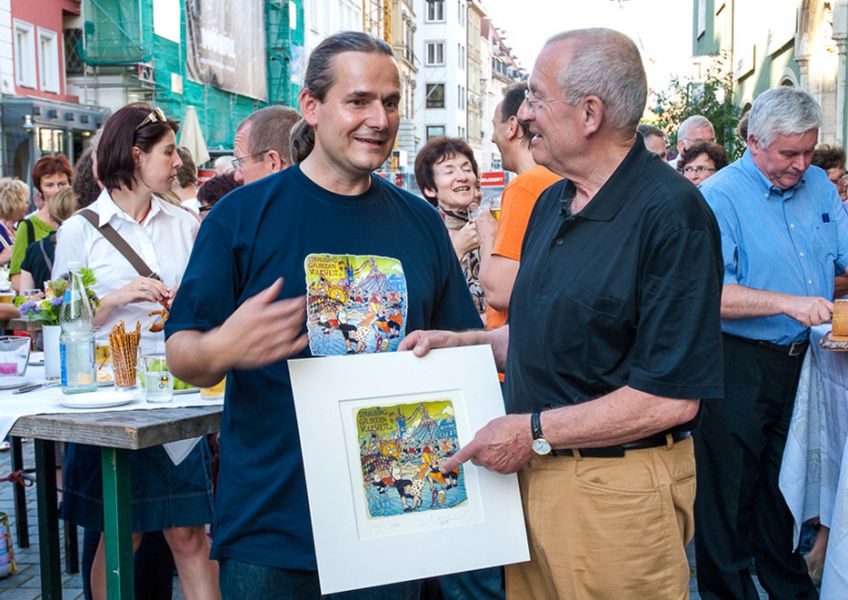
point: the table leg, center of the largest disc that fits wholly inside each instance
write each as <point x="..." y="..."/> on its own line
<point x="48" y="520"/>
<point x="21" y="521"/>
<point x="117" y="522"/>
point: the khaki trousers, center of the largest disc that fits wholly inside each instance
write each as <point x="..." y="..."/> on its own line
<point x="607" y="528"/>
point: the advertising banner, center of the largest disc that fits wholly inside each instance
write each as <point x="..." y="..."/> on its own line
<point x="224" y="51"/>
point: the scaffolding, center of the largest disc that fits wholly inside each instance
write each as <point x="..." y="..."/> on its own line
<point x="377" y="19"/>
<point x="279" y="48"/>
<point x="114" y="33"/>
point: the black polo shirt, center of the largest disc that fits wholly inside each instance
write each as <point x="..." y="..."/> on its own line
<point x="626" y="292"/>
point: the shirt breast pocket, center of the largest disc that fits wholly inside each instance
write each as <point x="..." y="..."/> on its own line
<point x="595" y="324"/>
<point x="826" y="241"/>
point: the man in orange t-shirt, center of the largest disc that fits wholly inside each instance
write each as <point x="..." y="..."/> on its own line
<point x="500" y="241"/>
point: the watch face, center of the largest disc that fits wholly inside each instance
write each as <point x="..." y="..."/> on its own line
<point x="541" y="446"/>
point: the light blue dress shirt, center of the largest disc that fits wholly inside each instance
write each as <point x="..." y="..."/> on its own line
<point x="791" y="241"/>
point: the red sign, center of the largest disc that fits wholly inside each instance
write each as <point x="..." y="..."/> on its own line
<point x="493" y="179"/>
<point x="203" y="175"/>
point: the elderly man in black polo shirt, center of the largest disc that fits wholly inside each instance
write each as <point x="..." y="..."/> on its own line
<point x="613" y="339"/>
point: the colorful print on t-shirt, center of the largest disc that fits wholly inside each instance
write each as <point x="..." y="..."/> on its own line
<point x="354" y="304"/>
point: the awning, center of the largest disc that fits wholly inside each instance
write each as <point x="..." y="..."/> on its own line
<point x="192" y="137"/>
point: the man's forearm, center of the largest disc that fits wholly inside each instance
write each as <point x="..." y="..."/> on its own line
<point x="194" y="357"/>
<point x="740" y="302"/>
<point x="498" y="339"/>
<point x="497" y="277"/>
<point x="619" y="417"/>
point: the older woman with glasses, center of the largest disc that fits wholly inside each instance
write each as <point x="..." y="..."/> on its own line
<point x="137" y="162"/>
<point x="701" y="161"/>
<point x="446" y="172"/>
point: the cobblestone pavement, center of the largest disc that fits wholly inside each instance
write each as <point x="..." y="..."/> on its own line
<point x="25" y="584"/>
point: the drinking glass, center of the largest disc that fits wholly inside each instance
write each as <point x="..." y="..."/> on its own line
<point x="158" y="382"/>
<point x="7" y="294"/>
<point x="495" y="207"/>
<point x="14" y="355"/>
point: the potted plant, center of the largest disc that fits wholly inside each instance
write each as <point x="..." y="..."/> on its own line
<point x="46" y="312"/>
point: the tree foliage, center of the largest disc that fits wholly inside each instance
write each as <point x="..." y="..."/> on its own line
<point x="712" y="98"/>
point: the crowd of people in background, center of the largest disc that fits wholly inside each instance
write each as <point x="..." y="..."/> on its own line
<point x="297" y="172"/>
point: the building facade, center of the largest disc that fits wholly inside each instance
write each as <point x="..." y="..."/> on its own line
<point x="478" y="134"/>
<point x="798" y="43"/>
<point x="404" y="30"/>
<point x="181" y="54"/>
<point x="40" y="114"/>
<point x="440" y="99"/>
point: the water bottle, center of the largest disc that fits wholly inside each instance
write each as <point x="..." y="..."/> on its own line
<point x="76" y="343"/>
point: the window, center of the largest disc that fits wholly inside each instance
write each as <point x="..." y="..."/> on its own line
<point x="48" y="60"/>
<point x="24" y="54"/>
<point x="409" y="36"/>
<point x="435" y="10"/>
<point x="435" y="53"/>
<point x="702" y="18"/>
<point x="460" y="96"/>
<point x="435" y="131"/>
<point x="435" y="95"/>
<point x="461" y="132"/>
<point x="461" y="11"/>
<point x="73" y="60"/>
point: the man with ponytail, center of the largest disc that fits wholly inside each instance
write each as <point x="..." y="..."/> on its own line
<point x="243" y="309"/>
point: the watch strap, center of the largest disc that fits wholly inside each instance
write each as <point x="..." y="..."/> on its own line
<point x="536" y="425"/>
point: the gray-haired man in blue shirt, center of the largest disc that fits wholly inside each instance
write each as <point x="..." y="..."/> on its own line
<point x="784" y="234"/>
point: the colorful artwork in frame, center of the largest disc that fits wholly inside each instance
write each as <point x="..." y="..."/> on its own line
<point x="400" y="449"/>
<point x="364" y="436"/>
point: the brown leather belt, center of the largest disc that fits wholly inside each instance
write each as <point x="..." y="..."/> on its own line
<point x="652" y="441"/>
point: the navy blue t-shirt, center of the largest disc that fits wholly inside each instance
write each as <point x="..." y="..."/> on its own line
<point x="374" y="267"/>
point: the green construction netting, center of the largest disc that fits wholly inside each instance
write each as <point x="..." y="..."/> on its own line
<point x="114" y="31"/>
<point x="120" y="32"/>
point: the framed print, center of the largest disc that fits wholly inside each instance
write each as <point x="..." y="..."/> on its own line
<point x="374" y="429"/>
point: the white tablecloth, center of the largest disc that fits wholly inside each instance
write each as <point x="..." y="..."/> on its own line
<point x="46" y="401"/>
<point x="814" y="472"/>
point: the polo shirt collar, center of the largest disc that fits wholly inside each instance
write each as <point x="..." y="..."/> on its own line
<point x="750" y="167"/>
<point x="617" y="189"/>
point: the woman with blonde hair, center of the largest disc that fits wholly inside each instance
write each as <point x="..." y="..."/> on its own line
<point x="14" y="200"/>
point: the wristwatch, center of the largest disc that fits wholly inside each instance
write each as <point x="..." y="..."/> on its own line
<point x="540" y="444"/>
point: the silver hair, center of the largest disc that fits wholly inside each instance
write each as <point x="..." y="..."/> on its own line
<point x="782" y="111"/>
<point x="695" y="121"/>
<point x="606" y="64"/>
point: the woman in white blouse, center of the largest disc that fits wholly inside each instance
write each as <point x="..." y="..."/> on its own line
<point x="137" y="161"/>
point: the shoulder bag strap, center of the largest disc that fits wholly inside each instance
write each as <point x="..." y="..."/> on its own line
<point x="30" y="230"/>
<point x="47" y="260"/>
<point x="120" y="244"/>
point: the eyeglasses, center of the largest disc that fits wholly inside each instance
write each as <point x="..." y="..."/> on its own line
<point x="700" y="170"/>
<point x="156" y="116"/>
<point x="238" y="162"/>
<point x="535" y="103"/>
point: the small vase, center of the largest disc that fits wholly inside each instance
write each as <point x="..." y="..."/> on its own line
<point x="52" y="360"/>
